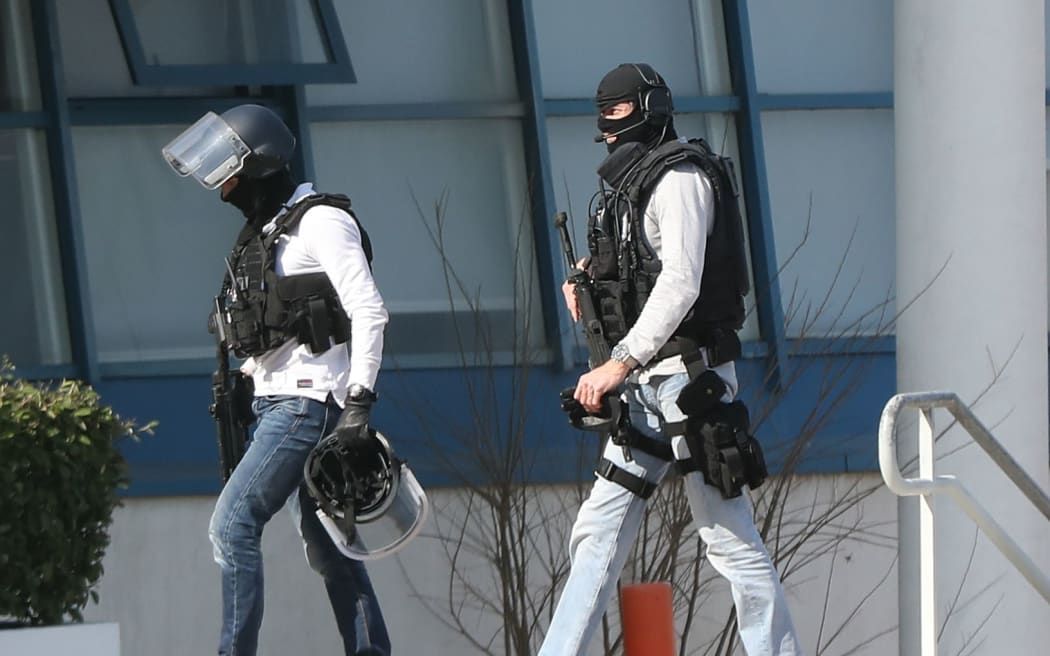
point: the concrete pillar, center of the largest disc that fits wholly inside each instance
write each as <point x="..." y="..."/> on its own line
<point x="969" y="112"/>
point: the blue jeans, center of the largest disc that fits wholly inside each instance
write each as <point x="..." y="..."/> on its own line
<point x="271" y="476"/>
<point x="608" y="523"/>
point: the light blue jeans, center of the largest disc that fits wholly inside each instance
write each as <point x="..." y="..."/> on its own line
<point x="608" y="523"/>
<point x="268" y="477"/>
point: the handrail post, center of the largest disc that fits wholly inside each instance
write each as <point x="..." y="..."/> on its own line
<point x="927" y="484"/>
<point x="927" y="573"/>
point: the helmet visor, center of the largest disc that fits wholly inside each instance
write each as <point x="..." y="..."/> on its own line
<point x="209" y="150"/>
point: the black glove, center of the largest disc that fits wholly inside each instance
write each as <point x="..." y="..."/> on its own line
<point x="352" y="428"/>
<point x="583" y="420"/>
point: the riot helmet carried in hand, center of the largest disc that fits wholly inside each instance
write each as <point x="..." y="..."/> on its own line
<point x="369" y="501"/>
<point x="650" y="122"/>
<point x="249" y="141"/>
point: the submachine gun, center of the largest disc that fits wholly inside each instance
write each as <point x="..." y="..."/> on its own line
<point x="231" y="399"/>
<point x="613" y="418"/>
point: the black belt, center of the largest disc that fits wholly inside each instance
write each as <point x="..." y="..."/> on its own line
<point x="691" y="352"/>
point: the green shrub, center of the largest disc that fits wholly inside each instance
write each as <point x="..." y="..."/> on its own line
<point x="59" y="475"/>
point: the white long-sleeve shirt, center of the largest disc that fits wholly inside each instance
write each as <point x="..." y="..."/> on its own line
<point x="676" y="222"/>
<point x="326" y="239"/>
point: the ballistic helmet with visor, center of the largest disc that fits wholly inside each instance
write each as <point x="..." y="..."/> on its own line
<point x="368" y="501"/>
<point x="250" y="141"/>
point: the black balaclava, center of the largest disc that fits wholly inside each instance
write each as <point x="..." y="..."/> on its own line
<point x="627" y="83"/>
<point x="259" y="199"/>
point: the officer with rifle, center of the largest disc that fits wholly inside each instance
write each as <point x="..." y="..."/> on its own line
<point x="298" y="285"/>
<point x="660" y="298"/>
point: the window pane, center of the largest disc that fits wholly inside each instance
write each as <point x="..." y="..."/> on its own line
<point x="815" y="46"/>
<point x="684" y="40"/>
<point x="575" y="156"/>
<point x="397" y="174"/>
<point x="93" y="63"/>
<point x="413" y="51"/>
<point x="34" y="331"/>
<point x="19" y="87"/>
<point x="155" y="245"/>
<point x="841" y="164"/>
<point x="228" y="32"/>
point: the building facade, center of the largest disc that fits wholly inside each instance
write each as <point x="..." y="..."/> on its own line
<point x="458" y="128"/>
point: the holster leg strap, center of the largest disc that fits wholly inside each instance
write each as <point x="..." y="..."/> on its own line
<point x="687" y="466"/>
<point x="637" y="485"/>
<point x="657" y="449"/>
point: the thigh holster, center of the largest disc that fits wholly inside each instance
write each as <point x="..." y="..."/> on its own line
<point x="723" y="450"/>
<point x="629" y="438"/>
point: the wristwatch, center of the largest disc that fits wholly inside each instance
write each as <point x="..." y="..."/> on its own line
<point x="358" y="392"/>
<point x="623" y="356"/>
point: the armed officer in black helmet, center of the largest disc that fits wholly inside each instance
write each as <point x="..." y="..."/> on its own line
<point x="667" y="276"/>
<point x="298" y="289"/>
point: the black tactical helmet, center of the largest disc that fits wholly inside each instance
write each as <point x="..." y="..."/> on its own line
<point x="270" y="140"/>
<point x="248" y="141"/>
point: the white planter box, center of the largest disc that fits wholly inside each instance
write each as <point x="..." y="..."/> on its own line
<point x="79" y="639"/>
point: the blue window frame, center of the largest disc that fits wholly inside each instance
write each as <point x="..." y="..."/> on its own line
<point x="313" y="51"/>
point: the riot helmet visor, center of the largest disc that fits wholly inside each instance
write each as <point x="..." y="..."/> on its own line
<point x="209" y="150"/>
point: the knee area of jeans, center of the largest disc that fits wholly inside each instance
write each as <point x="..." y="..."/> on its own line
<point x="218" y="555"/>
<point x="582" y="535"/>
<point x="234" y="537"/>
<point x="741" y="556"/>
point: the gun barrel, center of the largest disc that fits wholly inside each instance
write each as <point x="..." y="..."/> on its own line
<point x="561" y="220"/>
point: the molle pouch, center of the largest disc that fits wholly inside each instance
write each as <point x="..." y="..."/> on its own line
<point x="755" y="469"/>
<point x="609" y="295"/>
<point x="245" y="329"/>
<point x="339" y="321"/>
<point x="700" y="394"/>
<point x="604" y="265"/>
<point x="728" y="457"/>
<point x="316" y="328"/>
<point x="724" y="347"/>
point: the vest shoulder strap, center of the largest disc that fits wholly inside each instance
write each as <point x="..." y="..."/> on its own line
<point x="654" y="165"/>
<point x="290" y="219"/>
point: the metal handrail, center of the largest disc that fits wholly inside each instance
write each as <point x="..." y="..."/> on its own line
<point x="928" y="484"/>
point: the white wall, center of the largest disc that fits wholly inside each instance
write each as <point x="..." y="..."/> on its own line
<point x="163" y="588"/>
<point x="968" y="80"/>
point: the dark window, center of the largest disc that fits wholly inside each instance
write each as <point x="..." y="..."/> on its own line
<point x="19" y="89"/>
<point x="35" y="329"/>
<point x="221" y="42"/>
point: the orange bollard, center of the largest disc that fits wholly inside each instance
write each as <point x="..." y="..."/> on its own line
<point x="647" y="618"/>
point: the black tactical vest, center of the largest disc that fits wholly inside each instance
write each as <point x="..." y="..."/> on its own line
<point x="719" y="309"/>
<point x="263" y="310"/>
